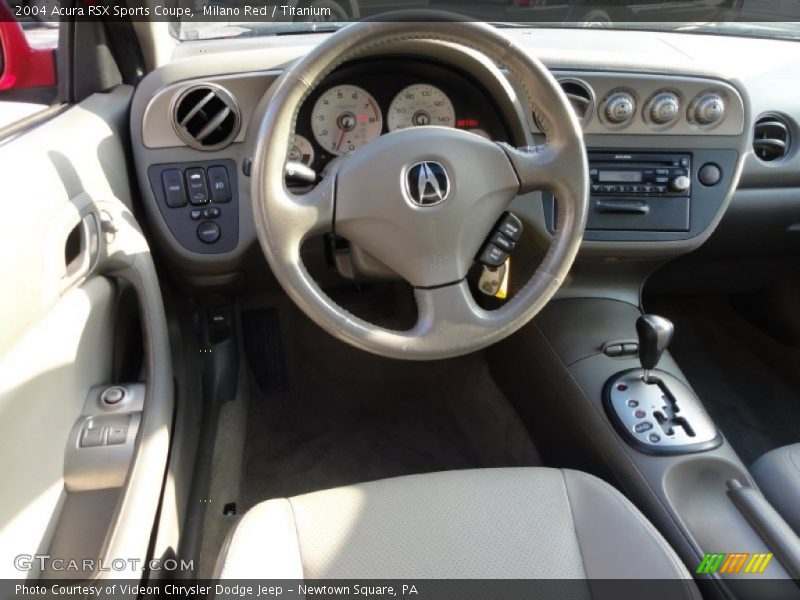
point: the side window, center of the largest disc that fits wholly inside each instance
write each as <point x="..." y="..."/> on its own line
<point x="28" y="43"/>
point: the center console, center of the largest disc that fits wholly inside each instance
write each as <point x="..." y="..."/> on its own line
<point x="608" y="398"/>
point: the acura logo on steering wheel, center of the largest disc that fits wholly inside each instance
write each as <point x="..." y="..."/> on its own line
<point x="427" y="183"/>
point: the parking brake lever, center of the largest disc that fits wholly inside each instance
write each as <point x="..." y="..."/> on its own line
<point x="655" y="334"/>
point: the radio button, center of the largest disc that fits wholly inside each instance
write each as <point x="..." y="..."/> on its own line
<point x="681" y="183"/>
<point x="709" y="174"/>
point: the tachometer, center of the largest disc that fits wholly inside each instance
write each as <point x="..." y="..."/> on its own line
<point x="421" y="104"/>
<point x="345" y="118"/>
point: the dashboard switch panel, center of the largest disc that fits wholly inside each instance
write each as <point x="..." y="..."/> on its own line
<point x="174" y="189"/>
<point x="209" y="223"/>
<point x="198" y="188"/>
<point x="220" y="186"/>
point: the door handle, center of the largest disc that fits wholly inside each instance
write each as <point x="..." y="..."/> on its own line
<point x="80" y="251"/>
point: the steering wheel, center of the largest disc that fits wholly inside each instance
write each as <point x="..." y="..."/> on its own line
<point x="431" y="234"/>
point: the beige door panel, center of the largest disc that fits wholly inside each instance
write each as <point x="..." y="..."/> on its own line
<point x="44" y="379"/>
<point x="72" y="238"/>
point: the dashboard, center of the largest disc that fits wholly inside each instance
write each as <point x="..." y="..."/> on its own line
<point x="687" y="105"/>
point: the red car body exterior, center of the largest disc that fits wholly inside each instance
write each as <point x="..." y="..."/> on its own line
<point x="23" y="66"/>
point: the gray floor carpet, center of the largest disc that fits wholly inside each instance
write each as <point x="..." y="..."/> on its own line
<point x="346" y="416"/>
<point x="748" y="381"/>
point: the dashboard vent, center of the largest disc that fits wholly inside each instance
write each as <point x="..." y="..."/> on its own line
<point x="206" y="117"/>
<point x="770" y="138"/>
<point x="580" y="96"/>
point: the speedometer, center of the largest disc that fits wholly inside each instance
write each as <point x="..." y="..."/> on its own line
<point x="345" y="118"/>
<point x="421" y="104"/>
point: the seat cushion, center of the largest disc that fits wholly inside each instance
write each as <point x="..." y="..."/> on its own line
<point x="778" y="475"/>
<point x="515" y="523"/>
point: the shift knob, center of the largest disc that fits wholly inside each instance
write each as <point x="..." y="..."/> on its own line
<point x="655" y="334"/>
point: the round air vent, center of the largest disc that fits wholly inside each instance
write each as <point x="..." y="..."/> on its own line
<point x="580" y="96"/>
<point x="770" y="138"/>
<point x="206" y="117"/>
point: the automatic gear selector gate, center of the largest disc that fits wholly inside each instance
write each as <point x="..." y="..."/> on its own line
<point x="654" y="410"/>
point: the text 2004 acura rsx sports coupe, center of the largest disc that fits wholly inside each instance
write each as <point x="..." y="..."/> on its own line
<point x="411" y="306"/>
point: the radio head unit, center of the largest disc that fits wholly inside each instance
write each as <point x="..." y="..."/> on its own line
<point x="621" y="174"/>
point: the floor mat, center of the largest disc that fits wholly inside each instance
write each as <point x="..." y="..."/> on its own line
<point x="348" y="416"/>
<point x="748" y="381"/>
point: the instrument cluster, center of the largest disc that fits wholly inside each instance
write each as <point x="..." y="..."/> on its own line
<point x="357" y="104"/>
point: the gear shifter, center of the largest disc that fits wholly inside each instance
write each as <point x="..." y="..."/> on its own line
<point x="655" y="334"/>
<point x="654" y="410"/>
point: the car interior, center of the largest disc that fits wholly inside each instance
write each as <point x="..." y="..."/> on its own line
<point x="411" y="297"/>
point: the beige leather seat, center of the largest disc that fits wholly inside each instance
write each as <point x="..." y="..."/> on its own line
<point x="490" y="523"/>
<point x="778" y="475"/>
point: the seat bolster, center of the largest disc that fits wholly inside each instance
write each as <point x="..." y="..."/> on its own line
<point x="616" y="541"/>
<point x="778" y="475"/>
<point x="264" y="544"/>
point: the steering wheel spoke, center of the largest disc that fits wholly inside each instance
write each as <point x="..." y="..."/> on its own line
<point x="448" y="310"/>
<point x="547" y="168"/>
<point x="313" y="211"/>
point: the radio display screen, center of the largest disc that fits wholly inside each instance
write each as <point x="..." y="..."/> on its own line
<point x="626" y="176"/>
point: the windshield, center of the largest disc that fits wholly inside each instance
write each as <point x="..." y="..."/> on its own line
<point x="210" y="19"/>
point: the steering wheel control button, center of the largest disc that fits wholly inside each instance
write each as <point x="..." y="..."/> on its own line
<point x="174" y="189"/>
<point x="503" y="242"/>
<point x="220" y="186"/>
<point x="492" y="256"/>
<point x="709" y="174"/>
<point x="654" y="438"/>
<point x="208" y="232"/>
<point x="510" y="226"/>
<point x="633" y="403"/>
<point x="643" y="426"/>
<point x="196" y="214"/>
<point x="112" y="396"/>
<point x="212" y="212"/>
<point x="639" y="414"/>
<point x="198" y="188"/>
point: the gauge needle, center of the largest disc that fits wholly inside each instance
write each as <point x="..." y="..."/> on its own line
<point x="341" y="139"/>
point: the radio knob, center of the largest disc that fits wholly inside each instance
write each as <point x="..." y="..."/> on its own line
<point x="709" y="109"/>
<point x="620" y="107"/>
<point x="664" y="108"/>
<point x="681" y="183"/>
